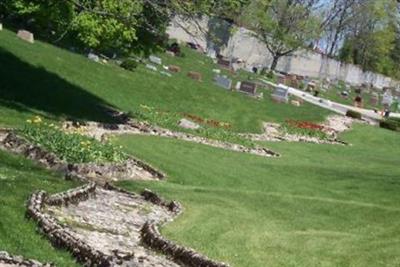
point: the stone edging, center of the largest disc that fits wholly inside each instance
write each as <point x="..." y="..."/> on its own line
<point x="73" y="196"/>
<point x="6" y="258"/>
<point x="152" y="238"/>
<point x="61" y="237"/>
<point x="101" y="131"/>
<point x="19" y="145"/>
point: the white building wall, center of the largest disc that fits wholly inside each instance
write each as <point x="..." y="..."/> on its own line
<point x="244" y="45"/>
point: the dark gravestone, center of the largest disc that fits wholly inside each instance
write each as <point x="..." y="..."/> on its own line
<point x="195" y="75"/>
<point x="280" y="94"/>
<point x="374" y="99"/>
<point x="248" y="88"/>
<point x="223" y="82"/>
<point x="224" y="63"/>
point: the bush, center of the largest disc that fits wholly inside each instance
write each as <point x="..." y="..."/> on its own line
<point x="72" y="147"/>
<point x="390" y="124"/>
<point x="129" y="64"/>
<point x="354" y="114"/>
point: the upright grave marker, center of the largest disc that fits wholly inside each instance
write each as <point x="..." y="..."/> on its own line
<point x="226" y="64"/>
<point x="280" y="94"/>
<point x="195" y="75"/>
<point x="26" y="36"/>
<point x="223" y="81"/>
<point x="248" y="88"/>
<point x="155" y="60"/>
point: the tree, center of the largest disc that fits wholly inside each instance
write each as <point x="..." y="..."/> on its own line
<point x="284" y="26"/>
<point x="338" y="16"/>
<point x="371" y="36"/>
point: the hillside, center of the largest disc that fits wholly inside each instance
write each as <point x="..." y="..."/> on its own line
<point x="59" y="84"/>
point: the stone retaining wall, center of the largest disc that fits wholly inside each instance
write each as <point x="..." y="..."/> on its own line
<point x="188" y="257"/>
<point x="8" y="259"/>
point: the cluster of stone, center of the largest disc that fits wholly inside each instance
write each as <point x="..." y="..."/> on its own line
<point x="62" y="237"/>
<point x="9" y="260"/>
<point x="332" y="126"/>
<point x="16" y="144"/>
<point x="130" y="169"/>
<point x="172" y="206"/>
<point x="188" y="257"/>
<point x="98" y="131"/>
<point x="72" y="196"/>
<point x="145" y="128"/>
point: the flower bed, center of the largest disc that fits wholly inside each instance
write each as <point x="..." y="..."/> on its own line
<point x="305" y="128"/>
<point x="70" y="146"/>
<point x="211" y="129"/>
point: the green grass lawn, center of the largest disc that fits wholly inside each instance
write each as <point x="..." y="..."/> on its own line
<point x="18" y="179"/>
<point x="42" y="79"/>
<point x="317" y="205"/>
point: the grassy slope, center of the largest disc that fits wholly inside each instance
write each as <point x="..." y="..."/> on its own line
<point x="318" y="205"/>
<point x="18" y="179"/>
<point x="42" y="78"/>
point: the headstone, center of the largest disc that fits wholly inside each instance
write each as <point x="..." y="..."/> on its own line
<point x="374" y="99"/>
<point x="26" y="36"/>
<point x="151" y="67"/>
<point x="217" y="71"/>
<point x="248" y="88"/>
<point x="387" y="99"/>
<point x="224" y="63"/>
<point x="1" y="26"/>
<point x="93" y="57"/>
<point x="173" y="68"/>
<point x="358" y="101"/>
<point x="166" y="73"/>
<point x="237" y="86"/>
<point x="280" y="94"/>
<point x="194" y="75"/>
<point x="170" y="53"/>
<point x="187" y="124"/>
<point x="223" y="81"/>
<point x="155" y="60"/>
<point x="295" y="103"/>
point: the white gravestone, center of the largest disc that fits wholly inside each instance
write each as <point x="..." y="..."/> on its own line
<point x="280" y="94"/>
<point x="26" y="36"/>
<point x="155" y="60"/>
<point x="151" y="67"/>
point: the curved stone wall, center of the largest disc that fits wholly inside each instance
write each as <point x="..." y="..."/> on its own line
<point x="9" y="260"/>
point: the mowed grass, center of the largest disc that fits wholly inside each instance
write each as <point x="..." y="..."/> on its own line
<point x="18" y="179"/>
<point x="42" y="79"/>
<point x="317" y="205"/>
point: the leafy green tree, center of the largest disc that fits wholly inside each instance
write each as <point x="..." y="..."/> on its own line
<point x="285" y="26"/>
<point x="371" y="37"/>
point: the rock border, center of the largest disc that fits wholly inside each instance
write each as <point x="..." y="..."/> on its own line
<point x="101" y="131"/>
<point x="152" y="237"/>
<point x="16" y="144"/>
<point x="6" y="258"/>
<point x="60" y="236"/>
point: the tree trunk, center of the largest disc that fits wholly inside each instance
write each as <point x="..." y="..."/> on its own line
<point x="274" y="63"/>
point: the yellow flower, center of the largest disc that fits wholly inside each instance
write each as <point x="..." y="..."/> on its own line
<point x="37" y="119"/>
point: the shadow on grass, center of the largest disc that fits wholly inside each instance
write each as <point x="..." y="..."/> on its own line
<point x="24" y="87"/>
